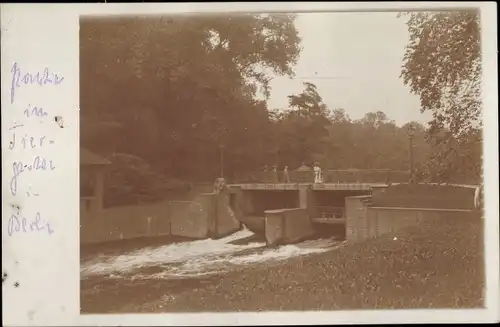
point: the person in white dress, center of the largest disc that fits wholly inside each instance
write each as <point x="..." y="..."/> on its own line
<point x="286" y="176"/>
<point x="318" y="178"/>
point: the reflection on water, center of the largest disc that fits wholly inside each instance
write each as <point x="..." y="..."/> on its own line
<point x="195" y="258"/>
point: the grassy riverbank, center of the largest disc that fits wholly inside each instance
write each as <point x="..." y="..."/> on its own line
<point x="436" y="265"/>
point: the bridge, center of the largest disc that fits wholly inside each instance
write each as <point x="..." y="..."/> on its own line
<point x="255" y="196"/>
<point x="338" y="176"/>
<point x="350" y="204"/>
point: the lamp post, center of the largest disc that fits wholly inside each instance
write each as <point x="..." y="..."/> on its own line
<point x="221" y="147"/>
<point x="410" y="138"/>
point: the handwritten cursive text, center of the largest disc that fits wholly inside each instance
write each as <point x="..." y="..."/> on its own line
<point x="18" y="168"/>
<point x="19" y="78"/>
<point x="18" y="224"/>
<point x="35" y="111"/>
<point x="28" y="141"/>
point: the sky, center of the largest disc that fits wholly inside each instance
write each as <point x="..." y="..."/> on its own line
<point x="355" y="61"/>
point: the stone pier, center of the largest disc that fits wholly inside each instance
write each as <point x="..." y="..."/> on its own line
<point x="285" y="226"/>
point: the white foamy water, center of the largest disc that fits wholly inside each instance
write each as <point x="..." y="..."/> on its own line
<point x="196" y="258"/>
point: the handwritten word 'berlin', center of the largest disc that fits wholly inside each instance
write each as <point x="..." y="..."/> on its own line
<point x="18" y="168"/>
<point x="21" y="78"/>
<point x="19" y="224"/>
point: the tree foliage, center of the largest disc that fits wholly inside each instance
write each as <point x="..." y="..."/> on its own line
<point x="177" y="88"/>
<point x="176" y="98"/>
<point x="308" y="103"/>
<point x="442" y="65"/>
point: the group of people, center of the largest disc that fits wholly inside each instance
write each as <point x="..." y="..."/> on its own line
<point x="318" y="173"/>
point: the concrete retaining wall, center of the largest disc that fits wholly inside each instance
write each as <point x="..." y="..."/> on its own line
<point x="286" y="226"/>
<point x="125" y="223"/>
<point x="363" y="222"/>
<point x="426" y="196"/>
<point x="356" y="213"/>
<point x="193" y="218"/>
<point x="208" y="215"/>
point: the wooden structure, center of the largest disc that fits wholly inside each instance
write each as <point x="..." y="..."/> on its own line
<point x="92" y="169"/>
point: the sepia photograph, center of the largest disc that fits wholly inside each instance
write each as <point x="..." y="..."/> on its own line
<point x="253" y="162"/>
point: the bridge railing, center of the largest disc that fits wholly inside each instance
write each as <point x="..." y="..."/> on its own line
<point x="329" y="176"/>
<point x="385" y="176"/>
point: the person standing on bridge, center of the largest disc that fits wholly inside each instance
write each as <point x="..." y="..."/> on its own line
<point x="318" y="178"/>
<point x="275" y="174"/>
<point x="286" y="176"/>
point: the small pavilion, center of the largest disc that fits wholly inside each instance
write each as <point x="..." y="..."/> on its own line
<point x="92" y="169"/>
<point x="304" y="174"/>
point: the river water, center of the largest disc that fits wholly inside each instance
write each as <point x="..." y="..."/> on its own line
<point x="197" y="258"/>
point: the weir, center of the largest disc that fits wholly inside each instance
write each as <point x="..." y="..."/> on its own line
<point x="286" y="212"/>
<point x="318" y="209"/>
<point x="341" y="205"/>
<point x="349" y="204"/>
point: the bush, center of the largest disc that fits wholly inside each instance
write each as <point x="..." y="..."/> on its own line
<point x="131" y="180"/>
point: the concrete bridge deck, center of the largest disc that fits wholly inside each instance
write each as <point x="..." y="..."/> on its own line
<point x="313" y="186"/>
<point x="338" y="176"/>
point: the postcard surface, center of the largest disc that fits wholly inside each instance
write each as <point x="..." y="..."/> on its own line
<point x="249" y="164"/>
